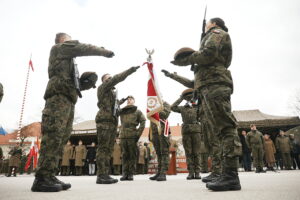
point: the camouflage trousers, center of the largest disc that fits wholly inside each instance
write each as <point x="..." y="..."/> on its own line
<point x="212" y="142"/>
<point x="204" y="162"/>
<point x="287" y="161"/>
<point x="129" y="156"/>
<point x="57" y="121"/>
<point x="106" y="135"/>
<point x="258" y="156"/>
<point x="191" y="145"/>
<point x="221" y="124"/>
<point x="161" y="145"/>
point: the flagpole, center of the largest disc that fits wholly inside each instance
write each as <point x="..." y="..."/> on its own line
<point x="23" y="103"/>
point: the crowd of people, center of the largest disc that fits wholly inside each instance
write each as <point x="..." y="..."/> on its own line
<point x="282" y="153"/>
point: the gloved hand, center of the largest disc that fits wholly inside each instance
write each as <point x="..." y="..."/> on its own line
<point x="135" y="68"/>
<point x="167" y="74"/>
<point x="110" y="54"/>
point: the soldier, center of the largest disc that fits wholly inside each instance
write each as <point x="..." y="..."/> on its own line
<point x="14" y="160"/>
<point x="91" y="159"/>
<point x="147" y="158"/>
<point x="204" y="153"/>
<point x="1" y="92"/>
<point x="142" y="152"/>
<point x="66" y="157"/>
<point x="246" y="152"/>
<point x="214" y="87"/>
<point x="190" y="132"/>
<point x="61" y="96"/>
<point x="294" y="151"/>
<point x="80" y="155"/>
<point x="283" y="146"/>
<point x="132" y="126"/>
<point x="161" y="144"/>
<point x="270" y="150"/>
<point x="107" y="123"/>
<point x="256" y="143"/>
<point x="209" y="139"/>
<point x="117" y="155"/>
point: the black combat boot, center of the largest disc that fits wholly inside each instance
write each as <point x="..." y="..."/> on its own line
<point x="42" y="184"/>
<point x="153" y="178"/>
<point x="229" y="180"/>
<point x="114" y="180"/>
<point x="190" y="176"/>
<point x="64" y="185"/>
<point x="213" y="176"/>
<point x="261" y="170"/>
<point x="197" y="175"/>
<point x="257" y="170"/>
<point x="103" y="179"/>
<point x="130" y="177"/>
<point x="124" y="177"/>
<point x="161" y="177"/>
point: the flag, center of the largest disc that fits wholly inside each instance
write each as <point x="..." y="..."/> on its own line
<point x="2" y="131"/>
<point x="33" y="154"/>
<point x="36" y="148"/>
<point x="30" y="64"/>
<point x="154" y="100"/>
<point x="167" y="127"/>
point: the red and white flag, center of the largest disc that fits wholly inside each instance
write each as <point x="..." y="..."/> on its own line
<point x="154" y="100"/>
<point x="33" y="153"/>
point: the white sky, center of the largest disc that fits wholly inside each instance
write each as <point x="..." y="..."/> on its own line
<point x="265" y="36"/>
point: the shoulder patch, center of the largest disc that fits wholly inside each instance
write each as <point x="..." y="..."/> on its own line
<point x="216" y="31"/>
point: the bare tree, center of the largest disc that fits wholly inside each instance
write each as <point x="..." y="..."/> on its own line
<point x="294" y="103"/>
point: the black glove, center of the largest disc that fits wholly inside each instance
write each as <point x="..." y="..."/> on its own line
<point x="135" y="68"/>
<point x="167" y="74"/>
<point x="110" y="54"/>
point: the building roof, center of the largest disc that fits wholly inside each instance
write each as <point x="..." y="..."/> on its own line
<point x="247" y="117"/>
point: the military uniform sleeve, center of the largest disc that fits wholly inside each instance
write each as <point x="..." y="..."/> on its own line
<point x="105" y="86"/>
<point x="164" y="114"/>
<point x="184" y="81"/>
<point x="142" y="122"/>
<point x="175" y="106"/>
<point x="73" y="48"/>
<point x="209" y="52"/>
<point x="248" y="141"/>
<point x="277" y="144"/>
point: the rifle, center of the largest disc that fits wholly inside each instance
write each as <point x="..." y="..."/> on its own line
<point x="76" y="78"/>
<point x="203" y="25"/>
<point x="116" y="106"/>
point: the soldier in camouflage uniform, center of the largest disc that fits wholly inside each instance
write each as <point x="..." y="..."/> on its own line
<point x="161" y="145"/>
<point x="191" y="129"/>
<point x="255" y="141"/>
<point x="107" y="123"/>
<point x="61" y="96"/>
<point x="1" y="92"/>
<point x="210" y="139"/>
<point x="214" y="85"/>
<point x="131" y="118"/>
<point x="204" y="153"/>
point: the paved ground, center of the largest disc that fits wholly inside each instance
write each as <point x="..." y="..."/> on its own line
<point x="270" y="186"/>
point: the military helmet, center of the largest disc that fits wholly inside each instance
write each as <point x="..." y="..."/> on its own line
<point x="183" y="52"/>
<point x="88" y="80"/>
<point x="187" y="92"/>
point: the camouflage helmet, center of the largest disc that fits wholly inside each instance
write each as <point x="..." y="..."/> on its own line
<point x="88" y="80"/>
<point x="187" y="94"/>
<point x="183" y="52"/>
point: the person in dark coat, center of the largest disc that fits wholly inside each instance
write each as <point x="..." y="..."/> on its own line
<point x="246" y="152"/>
<point x="91" y="159"/>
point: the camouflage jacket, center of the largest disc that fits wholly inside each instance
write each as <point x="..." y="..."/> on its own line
<point x="212" y="60"/>
<point x="164" y="114"/>
<point x="254" y="139"/>
<point x="107" y="97"/>
<point x="61" y="67"/>
<point x="283" y="144"/>
<point x="1" y="92"/>
<point x="131" y="117"/>
<point x="189" y="117"/>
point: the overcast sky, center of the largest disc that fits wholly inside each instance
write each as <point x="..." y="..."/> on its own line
<point x="265" y="36"/>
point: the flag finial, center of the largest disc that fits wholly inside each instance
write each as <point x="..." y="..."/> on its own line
<point x="149" y="52"/>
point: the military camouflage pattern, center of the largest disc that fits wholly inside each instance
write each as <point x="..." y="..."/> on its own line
<point x="214" y="85"/>
<point x="255" y="142"/>
<point x="191" y="138"/>
<point x="284" y="146"/>
<point x="160" y="142"/>
<point x="57" y="121"/>
<point x="88" y="80"/>
<point x="131" y="117"/>
<point x="1" y="92"/>
<point x="60" y="96"/>
<point x="210" y="139"/>
<point x="106" y="121"/>
<point x="61" y="67"/>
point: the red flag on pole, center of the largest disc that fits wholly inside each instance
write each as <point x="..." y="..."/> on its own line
<point x="30" y="64"/>
<point x="30" y="155"/>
